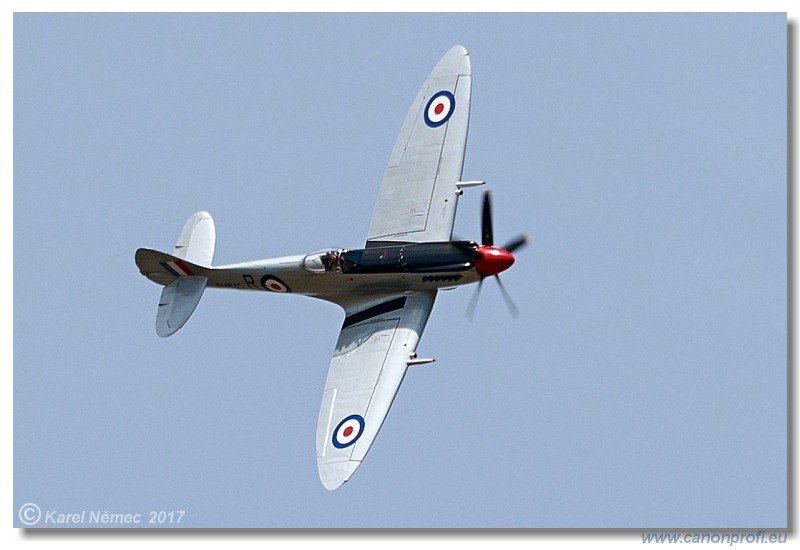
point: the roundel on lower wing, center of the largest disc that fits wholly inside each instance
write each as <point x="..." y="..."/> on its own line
<point x="439" y="109"/>
<point x="273" y="284"/>
<point x="348" y="431"/>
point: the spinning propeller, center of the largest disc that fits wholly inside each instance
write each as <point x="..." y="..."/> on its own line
<point x="491" y="260"/>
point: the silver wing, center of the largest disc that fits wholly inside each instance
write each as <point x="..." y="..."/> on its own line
<point x="417" y="199"/>
<point x="379" y="337"/>
<point x="375" y="347"/>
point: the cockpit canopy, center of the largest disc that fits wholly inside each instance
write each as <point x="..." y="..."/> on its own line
<point x="323" y="261"/>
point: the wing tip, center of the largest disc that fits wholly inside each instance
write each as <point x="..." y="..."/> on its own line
<point x="335" y="474"/>
<point x="455" y="61"/>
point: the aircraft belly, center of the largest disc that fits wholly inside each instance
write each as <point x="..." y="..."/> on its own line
<point x="332" y="286"/>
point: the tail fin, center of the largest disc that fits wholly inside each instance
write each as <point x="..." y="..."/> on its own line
<point x="197" y="240"/>
<point x="183" y="273"/>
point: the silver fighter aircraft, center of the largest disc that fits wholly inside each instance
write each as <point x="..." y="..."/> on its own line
<point x="386" y="289"/>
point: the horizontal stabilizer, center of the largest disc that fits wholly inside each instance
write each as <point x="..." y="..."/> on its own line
<point x="163" y="268"/>
<point x="178" y="301"/>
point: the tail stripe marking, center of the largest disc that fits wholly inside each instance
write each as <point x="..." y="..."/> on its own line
<point x="177" y="268"/>
<point x="183" y="267"/>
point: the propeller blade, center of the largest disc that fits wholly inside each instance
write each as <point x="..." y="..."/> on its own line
<point x="516" y="243"/>
<point x="487" y="237"/>
<point x="473" y="303"/>
<point x="509" y="302"/>
<point x="490" y="261"/>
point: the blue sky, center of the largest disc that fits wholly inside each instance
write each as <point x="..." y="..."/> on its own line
<point x="643" y="385"/>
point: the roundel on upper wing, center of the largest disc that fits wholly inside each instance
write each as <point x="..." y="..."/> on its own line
<point x="348" y="431"/>
<point x="439" y="109"/>
<point x="273" y="284"/>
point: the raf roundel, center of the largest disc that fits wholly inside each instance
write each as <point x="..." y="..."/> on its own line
<point x="273" y="284"/>
<point x="348" y="431"/>
<point x="439" y="109"/>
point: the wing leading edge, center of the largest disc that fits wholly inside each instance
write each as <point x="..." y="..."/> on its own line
<point x="372" y="354"/>
<point x="417" y="199"/>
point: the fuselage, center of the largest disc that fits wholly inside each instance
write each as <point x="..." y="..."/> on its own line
<point x="385" y="267"/>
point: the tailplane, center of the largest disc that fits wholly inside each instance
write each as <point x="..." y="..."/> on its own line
<point x="183" y="273"/>
<point x="177" y="303"/>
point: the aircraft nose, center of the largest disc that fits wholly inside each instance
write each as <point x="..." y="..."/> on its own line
<point x="491" y="260"/>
